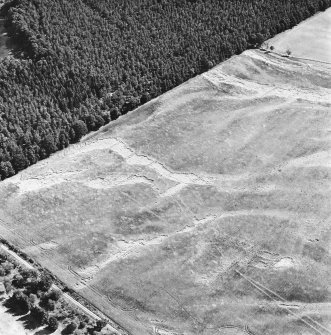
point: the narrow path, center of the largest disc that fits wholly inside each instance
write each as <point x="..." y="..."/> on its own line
<point x="132" y="158"/>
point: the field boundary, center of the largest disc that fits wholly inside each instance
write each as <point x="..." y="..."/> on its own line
<point x="291" y="57"/>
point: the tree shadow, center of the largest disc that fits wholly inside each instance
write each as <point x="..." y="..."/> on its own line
<point x="8" y="42"/>
<point x="4" y="9"/>
<point x="65" y="331"/>
<point x="14" y="309"/>
<point x="45" y="331"/>
<point x="29" y="322"/>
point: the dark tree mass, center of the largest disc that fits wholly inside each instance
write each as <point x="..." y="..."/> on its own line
<point x="81" y="63"/>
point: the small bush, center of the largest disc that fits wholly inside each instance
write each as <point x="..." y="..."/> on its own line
<point x="52" y="323"/>
<point x="45" y="283"/>
<point x="18" y="281"/>
<point x="100" y="324"/>
<point x="8" y="267"/>
<point x="2" y="271"/>
<point x="55" y="295"/>
<point x="50" y="305"/>
<point x="71" y="327"/>
<point x="8" y="286"/>
<point x="32" y="299"/>
<point x="82" y="324"/>
<point x="3" y="257"/>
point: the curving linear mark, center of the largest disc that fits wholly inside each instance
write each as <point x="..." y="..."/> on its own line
<point x="132" y="158"/>
<point x="126" y="249"/>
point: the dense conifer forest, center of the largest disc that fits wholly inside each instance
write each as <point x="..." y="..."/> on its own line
<point x="79" y="64"/>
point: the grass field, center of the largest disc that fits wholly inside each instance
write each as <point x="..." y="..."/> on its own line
<point x="9" y="325"/>
<point x="206" y="211"/>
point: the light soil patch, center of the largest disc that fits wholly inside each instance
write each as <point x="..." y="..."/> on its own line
<point x="122" y="149"/>
<point x="48" y="245"/>
<point x="109" y="182"/>
<point x="285" y="263"/>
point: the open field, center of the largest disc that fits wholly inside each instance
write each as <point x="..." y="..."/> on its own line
<point x="9" y="324"/>
<point x="205" y="211"/>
